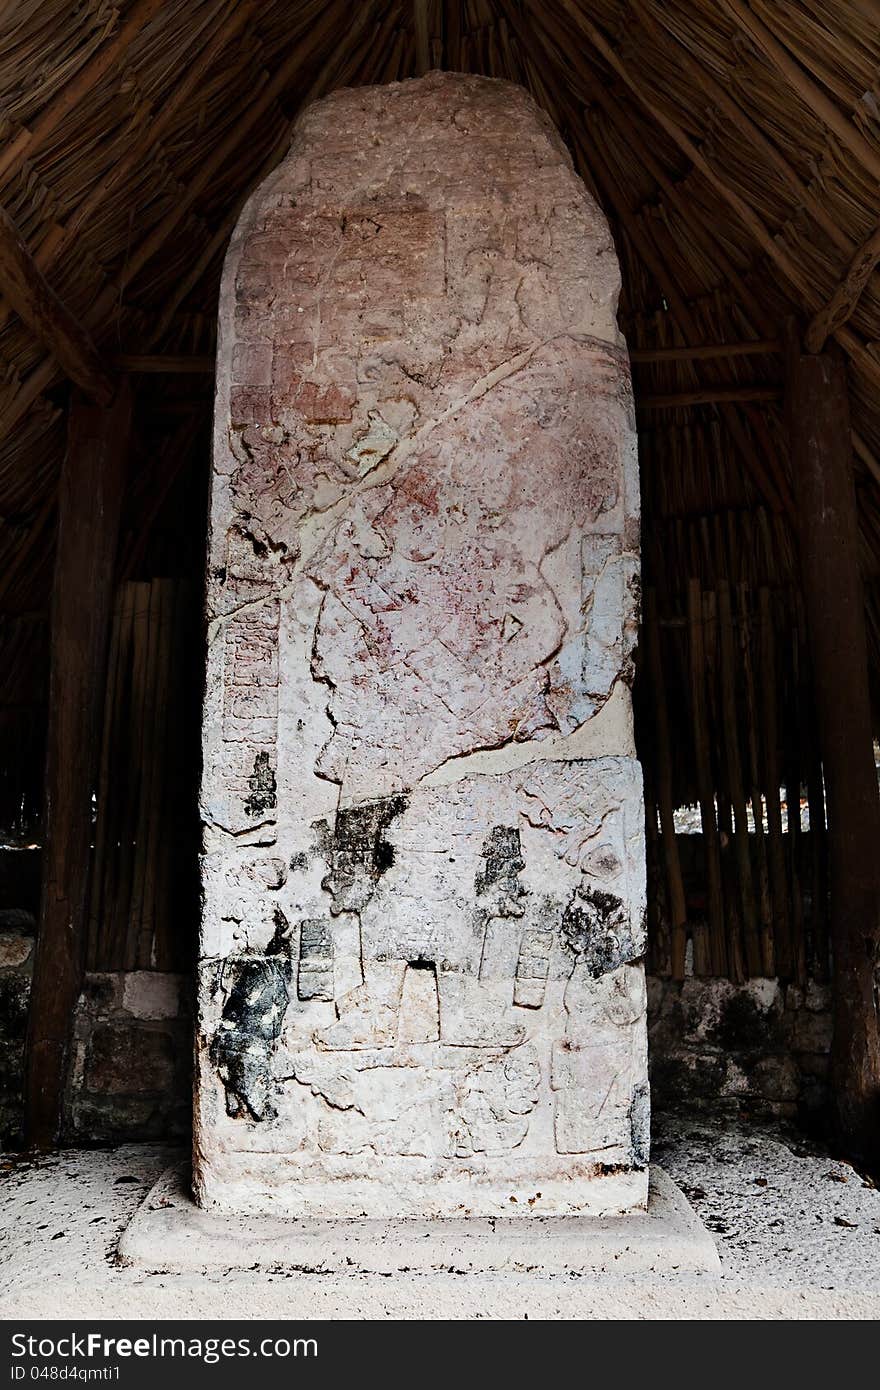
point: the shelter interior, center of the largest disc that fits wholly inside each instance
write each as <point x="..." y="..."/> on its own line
<point x="735" y="148"/>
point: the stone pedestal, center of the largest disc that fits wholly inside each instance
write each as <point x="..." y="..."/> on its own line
<point x="169" y="1234"/>
<point x="421" y="988"/>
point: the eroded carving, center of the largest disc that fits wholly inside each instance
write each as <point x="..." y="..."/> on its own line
<point x="256" y="994"/>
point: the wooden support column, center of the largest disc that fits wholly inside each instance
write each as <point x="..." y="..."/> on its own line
<point x="90" y="496"/>
<point x="822" y="464"/>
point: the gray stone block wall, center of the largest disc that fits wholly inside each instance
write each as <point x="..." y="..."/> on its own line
<point x="760" y="1047"/>
<point x="16" y="965"/>
<point x="131" y="1066"/>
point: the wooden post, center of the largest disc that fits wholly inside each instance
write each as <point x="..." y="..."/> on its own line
<point x="90" y="495"/>
<point x="423" y="43"/>
<point x="678" y="918"/>
<point x="829" y="544"/>
<point x="705" y="791"/>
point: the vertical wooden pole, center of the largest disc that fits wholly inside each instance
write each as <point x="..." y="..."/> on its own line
<point x="822" y="465"/>
<point x="90" y="495"/>
<point x="423" y="42"/>
<point x="765" y="912"/>
<point x="783" y="949"/>
<point x="452" y="35"/>
<point x="710" y="960"/>
<point x="663" y="751"/>
<point x="730" y="707"/>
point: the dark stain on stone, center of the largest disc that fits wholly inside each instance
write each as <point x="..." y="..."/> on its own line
<point x="357" y="851"/>
<point x="640" y="1125"/>
<point x="744" y="1026"/>
<point x="300" y="860"/>
<point x="596" y="929"/>
<point x="280" y="942"/>
<point x="699" y="1078"/>
<point x="498" y="890"/>
<point x="258" y="993"/>
<point x="384" y="856"/>
<point x="498" y="879"/>
<point x="263" y="787"/>
<point x="14" y="994"/>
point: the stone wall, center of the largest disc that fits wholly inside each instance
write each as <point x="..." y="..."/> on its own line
<point x="131" y="1068"/>
<point x="131" y="1060"/>
<point x="131" y="1065"/>
<point x="16" y="964"/>
<point x="760" y="1047"/>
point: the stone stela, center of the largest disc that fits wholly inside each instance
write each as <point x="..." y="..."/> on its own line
<point x="421" y="979"/>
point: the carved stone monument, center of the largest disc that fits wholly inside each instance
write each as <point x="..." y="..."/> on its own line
<point x="421" y="986"/>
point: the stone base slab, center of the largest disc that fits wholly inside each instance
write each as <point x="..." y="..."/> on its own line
<point x="354" y="1188"/>
<point x="170" y="1234"/>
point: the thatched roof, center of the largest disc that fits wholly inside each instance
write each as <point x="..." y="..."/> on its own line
<point x="734" y="144"/>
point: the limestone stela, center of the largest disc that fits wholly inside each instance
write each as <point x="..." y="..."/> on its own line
<point x="421" y="981"/>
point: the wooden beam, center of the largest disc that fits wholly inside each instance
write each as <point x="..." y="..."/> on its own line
<point x="90" y="498"/>
<point x="29" y="139"/>
<point x="145" y="504"/>
<point x="861" y="449"/>
<point x="704" y="352"/>
<point x="844" y="301"/>
<point x="710" y="395"/>
<point x="810" y="93"/>
<point x="37" y="305"/>
<point x="452" y="35"/>
<point x="821" y="451"/>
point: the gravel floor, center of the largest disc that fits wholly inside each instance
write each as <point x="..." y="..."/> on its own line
<point x="797" y="1231"/>
<point x="781" y="1211"/>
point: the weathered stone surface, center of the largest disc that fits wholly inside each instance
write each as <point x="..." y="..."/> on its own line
<point x="421" y="985"/>
<point x="120" y="1060"/>
<point x="761" y="1045"/>
<point x="14" y="950"/>
<point x="169" y="1233"/>
<point x="130" y="1075"/>
<point x="151" y="994"/>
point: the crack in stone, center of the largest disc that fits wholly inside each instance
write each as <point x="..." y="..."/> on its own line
<point x="608" y="733"/>
<point x="242" y="835"/>
<point x="320" y="677"/>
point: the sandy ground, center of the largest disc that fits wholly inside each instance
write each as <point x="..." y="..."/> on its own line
<point x="797" y="1231"/>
